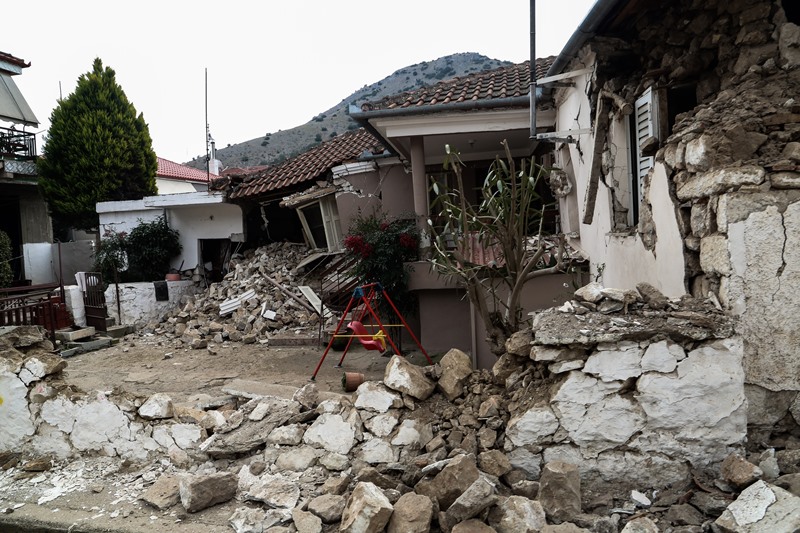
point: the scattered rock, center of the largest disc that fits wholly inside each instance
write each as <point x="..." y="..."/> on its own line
<point x="560" y="491"/>
<point x="200" y="492"/>
<point x="367" y="511"/>
<point x="164" y="493"/>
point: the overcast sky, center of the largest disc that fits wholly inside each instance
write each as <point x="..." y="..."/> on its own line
<point x="271" y="65"/>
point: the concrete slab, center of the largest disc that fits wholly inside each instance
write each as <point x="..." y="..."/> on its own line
<point x="293" y="340"/>
<point x="117" y="332"/>
<point x="91" y="345"/>
<point x="256" y="389"/>
<point x="71" y="335"/>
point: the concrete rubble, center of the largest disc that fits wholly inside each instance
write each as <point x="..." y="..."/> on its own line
<point x="644" y="430"/>
<point x="244" y="307"/>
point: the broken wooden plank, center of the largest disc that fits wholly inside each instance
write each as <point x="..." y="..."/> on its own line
<point x="600" y="135"/>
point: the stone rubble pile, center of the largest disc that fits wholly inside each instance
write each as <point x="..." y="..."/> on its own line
<point x="595" y="420"/>
<point x="258" y="308"/>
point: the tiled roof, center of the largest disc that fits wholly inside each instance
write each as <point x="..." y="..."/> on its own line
<point x="503" y="82"/>
<point x="8" y="58"/>
<point x="170" y="170"/>
<point x="310" y="165"/>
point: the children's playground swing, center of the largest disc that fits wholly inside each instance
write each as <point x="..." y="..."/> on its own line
<point x="362" y="305"/>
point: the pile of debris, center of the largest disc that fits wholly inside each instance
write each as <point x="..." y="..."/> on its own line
<point x="257" y="298"/>
<point x="447" y="448"/>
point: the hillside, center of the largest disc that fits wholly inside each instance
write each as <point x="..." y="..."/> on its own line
<point x="274" y="147"/>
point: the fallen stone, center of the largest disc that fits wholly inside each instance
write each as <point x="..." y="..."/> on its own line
<point x="453" y="480"/>
<point x="506" y="365"/>
<point x="408" y="378"/>
<point x="307" y="395"/>
<point x="306" y="522"/>
<point x="297" y="459"/>
<point x="376" y="450"/>
<point x="788" y="461"/>
<point x="519" y="343"/>
<point x="40" y="464"/>
<point x="684" y="515"/>
<point x="739" y="472"/>
<point x="560" y="491"/>
<point x="790" y="482"/>
<point x="247" y="520"/>
<point x="331" y="433"/>
<point x="335" y="485"/>
<point x="275" y="491"/>
<point x="383" y="424"/>
<point x="290" y="435"/>
<point x="412" y="514"/>
<point x="368" y="510"/>
<point x="567" y="527"/>
<point x="376" y="397"/>
<point x="251" y="435"/>
<point x="762" y="507"/>
<point x="157" y="406"/>
<point x="39" y="366"/>
<point x="472" y="526"/>
<point x="494" y="462"/>
<point x="481" y="495"/>
<point x="199" y="492"/>
<point x="517" y="514"/>
<point x="329" y="507"/>
<point x="591" y="292"/>
<point x="164" y="493"/>
<point x="652" y="296"/>
<point x="412" y="433"/>
<point x="456" y="368"/>
<point x="640" y="525"/>
<point x="532" y="426"/>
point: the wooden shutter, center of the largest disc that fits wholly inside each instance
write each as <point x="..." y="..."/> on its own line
<point x="645" y="127"/>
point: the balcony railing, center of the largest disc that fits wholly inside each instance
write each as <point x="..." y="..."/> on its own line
<point x="16" y="144"/>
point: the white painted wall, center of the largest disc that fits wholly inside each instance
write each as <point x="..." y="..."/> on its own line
<point x="193" y="223"/>
<point x="138" y="301"/>
<point x="624" y="259"/>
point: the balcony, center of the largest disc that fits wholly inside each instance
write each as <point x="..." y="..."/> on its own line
<point x="17" y="145"/>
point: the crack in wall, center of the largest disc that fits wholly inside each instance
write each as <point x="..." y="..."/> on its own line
<point x="781" y="268"/>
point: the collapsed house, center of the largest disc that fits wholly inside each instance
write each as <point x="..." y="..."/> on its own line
<point x="677" y="129"/>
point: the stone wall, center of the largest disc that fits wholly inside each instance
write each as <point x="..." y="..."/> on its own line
<point x="733" y="162"/>
<point x="640" y="396"/>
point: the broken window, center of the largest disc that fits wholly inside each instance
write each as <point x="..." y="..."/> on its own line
<point x="320" y="222"/>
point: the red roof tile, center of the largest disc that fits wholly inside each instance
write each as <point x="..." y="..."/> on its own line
<point x="170" y="170"/>
<point x="503" y="82"/>
<point x="310" y="165"/>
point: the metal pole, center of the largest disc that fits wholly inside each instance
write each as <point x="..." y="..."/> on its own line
<point x="533" y="70"/>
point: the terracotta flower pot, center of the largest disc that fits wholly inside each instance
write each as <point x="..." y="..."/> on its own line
<point x="173" y="277"/>
<point x="351" y="380"/>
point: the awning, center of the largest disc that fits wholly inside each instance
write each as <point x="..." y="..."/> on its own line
<point x="13" y="106"/>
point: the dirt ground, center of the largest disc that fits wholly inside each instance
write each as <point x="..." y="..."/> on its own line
<point x="143" y="365"/>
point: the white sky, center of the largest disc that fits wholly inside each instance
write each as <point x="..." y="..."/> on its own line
<point x="271" y="65"/>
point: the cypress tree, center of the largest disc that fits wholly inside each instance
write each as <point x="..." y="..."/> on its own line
<point x="98" y="149"/>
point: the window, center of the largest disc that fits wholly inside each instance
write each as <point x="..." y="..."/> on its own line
<point x="320" y="222"/>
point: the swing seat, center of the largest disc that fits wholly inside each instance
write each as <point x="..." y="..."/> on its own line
<point x="367" y="340"/>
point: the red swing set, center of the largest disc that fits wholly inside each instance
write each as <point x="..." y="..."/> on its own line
<point x="361" y="304"/>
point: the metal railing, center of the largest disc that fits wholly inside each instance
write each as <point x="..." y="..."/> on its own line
<point x="17" y="144"/>
<point x="35" y="305"/>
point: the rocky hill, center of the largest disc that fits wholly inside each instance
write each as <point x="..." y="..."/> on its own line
<point x="274" y="147"/>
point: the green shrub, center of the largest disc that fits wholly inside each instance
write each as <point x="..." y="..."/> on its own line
<point x="6" y="276"/>
<point x="141" y="255"/>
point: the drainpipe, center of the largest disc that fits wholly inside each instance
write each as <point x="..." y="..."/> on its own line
<point x="533" y="70"/>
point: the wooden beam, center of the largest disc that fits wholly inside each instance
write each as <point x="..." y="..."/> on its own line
<point x="600" y="135"/>
<point x="564" y="76"/>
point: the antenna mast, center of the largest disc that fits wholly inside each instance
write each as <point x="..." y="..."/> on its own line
<point x="208" y="134"/>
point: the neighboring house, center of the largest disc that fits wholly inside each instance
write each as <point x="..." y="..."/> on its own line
<point x="208" y="226"/>
<point x="679" y="138"/>
<point x="23" y="212"/>
<point x="331" y="183"/>
<point x="174" y="178"/>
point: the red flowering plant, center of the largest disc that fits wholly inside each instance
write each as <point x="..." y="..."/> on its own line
<point x="381" y="247"/>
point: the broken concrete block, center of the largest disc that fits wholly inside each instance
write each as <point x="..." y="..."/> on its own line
<point x="408" y="378"/>
<point x="164" y="493"/>
<point x="200" y="492"/>
<point x="412" y="514"/>
<point x="456" y="368"/>
<point x="157" y="406"/>
<point x="560" y="490"/>
<point x="73" y="335"/>
<point x="368" y="510"/>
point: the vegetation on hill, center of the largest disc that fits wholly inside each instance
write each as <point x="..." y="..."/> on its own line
<point x="275" y="147"/>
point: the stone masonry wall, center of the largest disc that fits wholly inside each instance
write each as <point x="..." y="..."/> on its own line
<point x="734" y="166"/>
